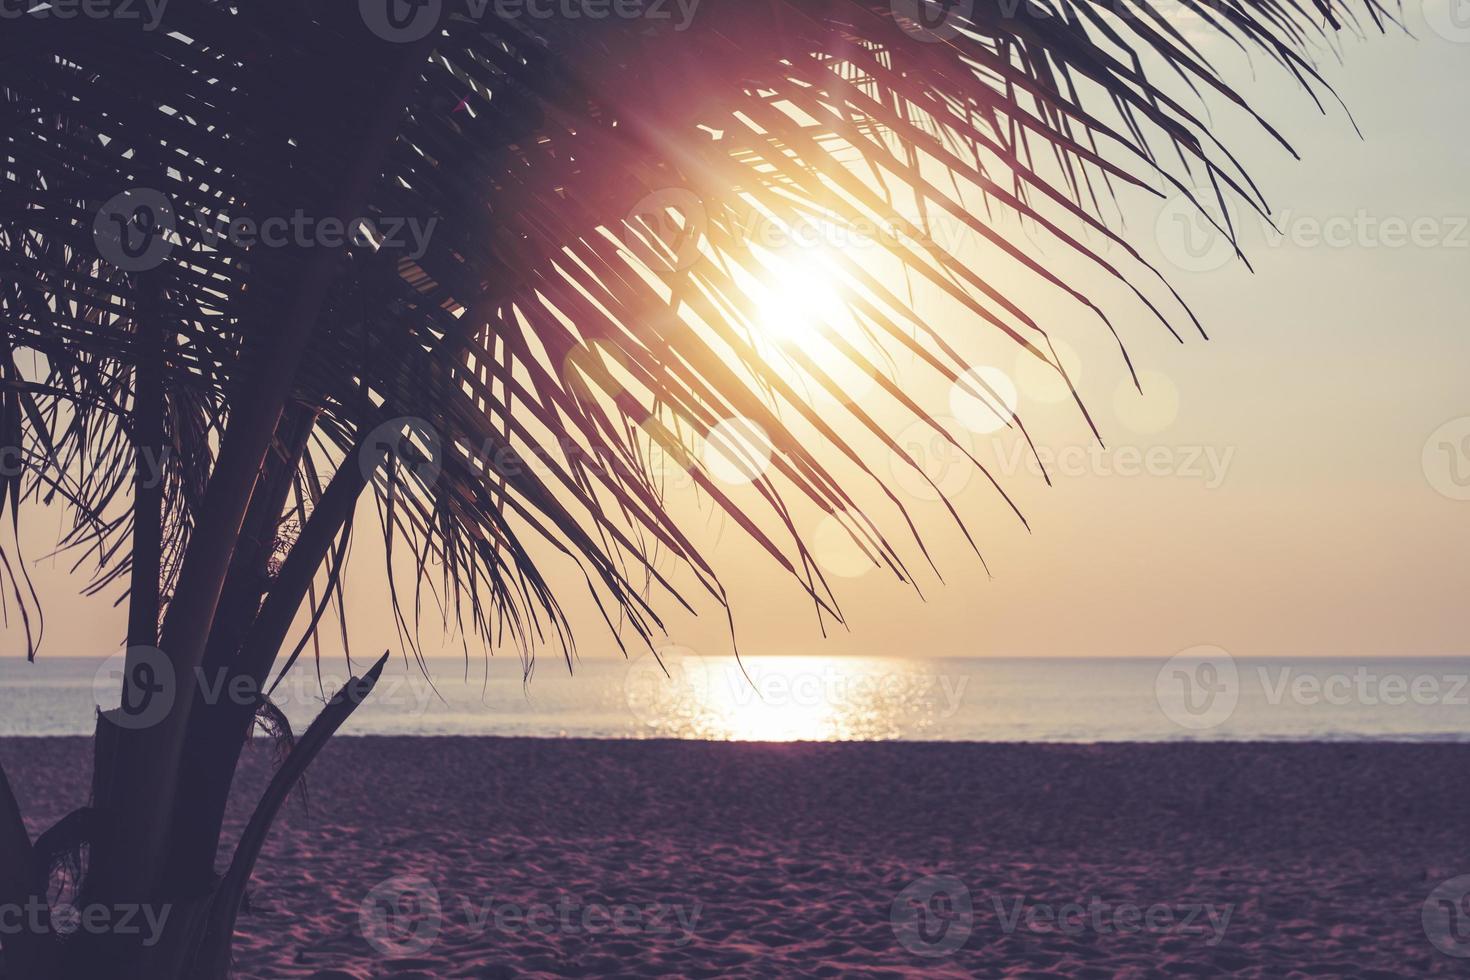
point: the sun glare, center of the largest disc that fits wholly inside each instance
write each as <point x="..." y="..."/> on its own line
<point x="804" y="314"/>
<point x="786" y="698"/>
<point x="799" y="300"/>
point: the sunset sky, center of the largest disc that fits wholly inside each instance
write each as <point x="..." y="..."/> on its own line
<point x="1288" y="512"/>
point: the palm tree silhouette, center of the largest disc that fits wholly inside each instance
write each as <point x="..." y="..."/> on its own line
<point x="266" y="260"/>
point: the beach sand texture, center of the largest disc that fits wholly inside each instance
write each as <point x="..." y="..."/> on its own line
<point x="585" y="858"/>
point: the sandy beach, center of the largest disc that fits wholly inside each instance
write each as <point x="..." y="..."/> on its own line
<point x="479" y="857"/>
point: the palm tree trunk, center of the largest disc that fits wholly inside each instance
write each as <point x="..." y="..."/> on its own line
<point x="208" y="766"/>
<point x="138" y="771"/>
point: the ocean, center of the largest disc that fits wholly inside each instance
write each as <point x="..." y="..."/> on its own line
<point x="1201" y="696"/>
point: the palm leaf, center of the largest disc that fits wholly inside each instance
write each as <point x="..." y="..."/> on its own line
<point x="545" y="322"/>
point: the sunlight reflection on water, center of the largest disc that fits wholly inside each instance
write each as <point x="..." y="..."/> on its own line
<point x="783" y="699"/>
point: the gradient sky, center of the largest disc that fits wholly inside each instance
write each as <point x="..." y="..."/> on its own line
<point x="1292" y="512"/>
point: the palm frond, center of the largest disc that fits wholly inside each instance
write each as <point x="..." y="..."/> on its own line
<point x="585" y="294"/>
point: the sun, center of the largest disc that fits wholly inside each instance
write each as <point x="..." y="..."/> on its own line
<point x="799" y="300"/>
<point x="804" y="314"/>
